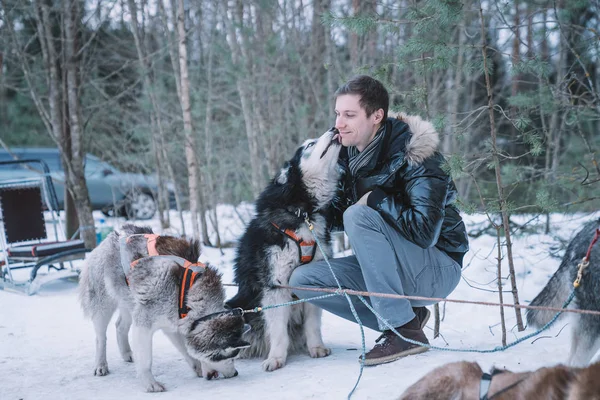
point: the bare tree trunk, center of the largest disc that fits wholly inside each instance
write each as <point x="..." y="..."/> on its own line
<point x="449" y="145"/>
<point x="173" y="179"/>
<point x="170" y="44"/>
<point x="499" y="281"/>
<point x="496" y="161"/>
<point x="514" y="85"/>
<point x="353" y="37"/>
<point x="60" y="131"/>
<point x="242" y="61"/>
<point x="75" y="172"/>
<point x="155" y="117"/>
<point x="211" y="196"/>
<point x="190" y="140"/>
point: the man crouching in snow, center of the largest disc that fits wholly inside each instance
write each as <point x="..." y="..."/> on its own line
<point x="400" y="217"/>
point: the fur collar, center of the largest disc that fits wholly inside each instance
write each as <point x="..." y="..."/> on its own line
<point x="424" y="140"/>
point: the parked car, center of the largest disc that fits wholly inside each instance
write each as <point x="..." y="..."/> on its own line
<point x="111" y="191"/>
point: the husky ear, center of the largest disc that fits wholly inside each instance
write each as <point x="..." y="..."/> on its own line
<point x="282" y="177"/>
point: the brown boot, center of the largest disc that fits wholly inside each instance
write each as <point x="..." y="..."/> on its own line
<point x="391" y="347"/>
<point x="422" y="314"/>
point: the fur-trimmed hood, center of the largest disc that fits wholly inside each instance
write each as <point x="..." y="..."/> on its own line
<point x="424" y="140"/>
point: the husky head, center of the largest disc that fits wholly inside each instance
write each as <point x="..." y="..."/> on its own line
<point x="309" y="180"/>
<point x="217" y="342"/>
<point x="213" y="334"/>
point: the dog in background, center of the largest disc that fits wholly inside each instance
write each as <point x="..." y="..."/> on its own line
<point x="466" y="381"/>
<point x="208" y="337"/>
<point x="585" y="340"/>
<point x="278" y="240"/>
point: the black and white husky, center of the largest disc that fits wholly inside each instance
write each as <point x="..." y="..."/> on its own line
<point x="585" y="341"/>
<point x="278" y="240"/>
<point x="196" y="321"/>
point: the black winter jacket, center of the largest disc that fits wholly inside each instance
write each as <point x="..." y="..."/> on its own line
<point x="409" y="187"/>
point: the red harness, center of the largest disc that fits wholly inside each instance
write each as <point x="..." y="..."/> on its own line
<point x="306" y="250"/>
<point x="188" y="275"/>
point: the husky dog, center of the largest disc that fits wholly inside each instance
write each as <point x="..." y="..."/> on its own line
<point x="208" y="337"/>
<point x="466" y="381"/>
<point x="585" y="340"/>
<point x="278" y="240"/>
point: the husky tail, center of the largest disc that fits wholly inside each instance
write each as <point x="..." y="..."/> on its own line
<point x="560" y="285"/>
<point x="554" y="294"/>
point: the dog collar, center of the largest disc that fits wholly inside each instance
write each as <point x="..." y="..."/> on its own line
<point x="306" y="249"/>
<point x="484" y="386"/>
<point x="486" y="381"/>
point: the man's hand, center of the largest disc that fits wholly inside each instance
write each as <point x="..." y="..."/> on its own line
<point x="363" y="200"/>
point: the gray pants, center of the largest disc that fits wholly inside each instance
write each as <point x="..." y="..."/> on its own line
<point x="384" y="262"/>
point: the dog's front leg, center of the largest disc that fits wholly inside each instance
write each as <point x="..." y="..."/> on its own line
<point x="312" y="330"/>
<point x="178" y="341"/>
<point x="276" y="326"/>
<point x="142" y="353"/>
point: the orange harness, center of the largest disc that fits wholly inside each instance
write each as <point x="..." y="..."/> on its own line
<point x="306" y="250"/>
<point x="188" y="276"/>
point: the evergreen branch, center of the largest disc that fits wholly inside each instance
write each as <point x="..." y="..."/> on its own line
<point x="581" y="201"/>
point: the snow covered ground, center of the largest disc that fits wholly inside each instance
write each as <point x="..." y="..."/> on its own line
<point x="47" y="347"/>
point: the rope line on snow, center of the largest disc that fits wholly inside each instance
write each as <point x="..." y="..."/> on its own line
<point x="360" y="294"/>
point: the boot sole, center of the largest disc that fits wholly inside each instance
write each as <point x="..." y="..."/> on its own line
<point x="394" y="357"/>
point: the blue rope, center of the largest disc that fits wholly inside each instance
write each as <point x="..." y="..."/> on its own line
<point x="349" y="300"/>
<point x="290" y="303"/>
<point x="386" y="323"/>
<point x="340" y="292"/>
<point x="494" y="350"/>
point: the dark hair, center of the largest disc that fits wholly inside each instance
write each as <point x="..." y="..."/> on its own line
<point x="373" y="95"/>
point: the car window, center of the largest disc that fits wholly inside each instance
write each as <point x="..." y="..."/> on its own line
<point x="4" y="156"/>
<point x="95" y="166"/>
<point x="50" y="158"/>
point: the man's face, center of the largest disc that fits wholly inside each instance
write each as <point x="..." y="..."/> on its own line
<point x="356" y="129"/>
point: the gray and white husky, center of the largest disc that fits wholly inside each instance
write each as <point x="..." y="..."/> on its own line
<point x="585" y="341"/>
<point x="208" y="337"/>
<point x="277" y="241"/>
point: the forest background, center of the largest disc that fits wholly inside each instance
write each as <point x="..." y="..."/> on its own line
<point x="214" y="95"/>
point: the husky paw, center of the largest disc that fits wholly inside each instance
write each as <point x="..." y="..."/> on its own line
<point x="101" y="370"/>
<point x="127" y="356"/>
<point x="319" y="351"/>
<point x="273" y="363"/>
<point x="197" y="367"/>
<point x="211" y="375"/>
<point x="154" y="386"/>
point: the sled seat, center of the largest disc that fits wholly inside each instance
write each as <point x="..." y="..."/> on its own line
<point x="29" y="251"/>
<point x="24" y="242"/>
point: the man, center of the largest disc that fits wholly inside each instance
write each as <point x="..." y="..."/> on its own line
<point x="406" y="233"/>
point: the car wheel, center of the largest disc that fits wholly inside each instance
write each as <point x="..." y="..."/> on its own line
<point x="140" y="206"/>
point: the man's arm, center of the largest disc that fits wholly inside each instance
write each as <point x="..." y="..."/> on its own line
<point x="418" y="210"/>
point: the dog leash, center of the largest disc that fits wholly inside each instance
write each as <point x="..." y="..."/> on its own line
<point x="387" y="324"/>
<point x="340" y="291"/>
<point x="585" y="261"/>
<point x="348" y="299"/>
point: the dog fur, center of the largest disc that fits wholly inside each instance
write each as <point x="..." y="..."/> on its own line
<point x="462" y="380"/>
<point x="585" y="341"/>
<point x="150" y="302"/>
<point x="265" y="257"/>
